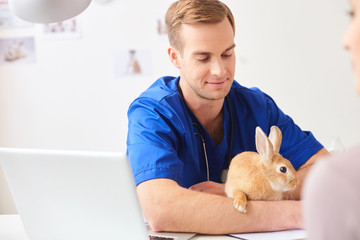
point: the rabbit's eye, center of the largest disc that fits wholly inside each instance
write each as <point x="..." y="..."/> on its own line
<point x="283" y="169"/>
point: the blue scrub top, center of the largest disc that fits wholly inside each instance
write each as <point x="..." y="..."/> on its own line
<point x="163" y="143"/>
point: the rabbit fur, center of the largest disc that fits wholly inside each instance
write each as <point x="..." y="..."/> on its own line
<point x="261" y="175"/>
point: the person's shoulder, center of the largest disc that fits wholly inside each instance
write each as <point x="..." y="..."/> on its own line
<point x="161" y="88"/>
<point x="238" y="88"/>
<point x="162" y="96"/>
<point x="346" y="160"/>
<point x="247" y="93"/>
<point x="344" y="165"/>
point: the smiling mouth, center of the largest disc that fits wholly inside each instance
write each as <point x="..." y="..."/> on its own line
<point x="217" y="83"/>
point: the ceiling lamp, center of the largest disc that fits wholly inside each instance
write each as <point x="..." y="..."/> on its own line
<point x="47" y="11"/>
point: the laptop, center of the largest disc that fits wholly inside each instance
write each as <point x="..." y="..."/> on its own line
<point x="72" y="195"/>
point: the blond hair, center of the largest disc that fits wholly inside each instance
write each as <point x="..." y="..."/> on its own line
<point x="192" y="12"/>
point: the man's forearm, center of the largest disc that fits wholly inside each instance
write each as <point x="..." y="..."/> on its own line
<point x="184" y="210"/>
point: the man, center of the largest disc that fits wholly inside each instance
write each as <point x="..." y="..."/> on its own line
<point x="184" y="131"/>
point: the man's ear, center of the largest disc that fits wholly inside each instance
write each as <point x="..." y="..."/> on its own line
<point x="174" y="57"/>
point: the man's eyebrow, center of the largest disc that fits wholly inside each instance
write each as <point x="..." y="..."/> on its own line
<point x="209" y="53"/>
<point x="201" y="53"/>
<point x="230" y="48"/>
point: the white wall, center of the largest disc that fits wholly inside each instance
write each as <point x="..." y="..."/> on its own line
<point x="70" y="99"/>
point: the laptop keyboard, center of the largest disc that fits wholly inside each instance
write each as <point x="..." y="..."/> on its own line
<point x="160" y="238"/>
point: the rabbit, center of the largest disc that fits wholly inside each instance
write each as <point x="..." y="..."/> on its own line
<point x="264" y="175"/>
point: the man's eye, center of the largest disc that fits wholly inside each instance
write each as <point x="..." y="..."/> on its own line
<point x="227" y="55"/>
<point x="203" y="59"/>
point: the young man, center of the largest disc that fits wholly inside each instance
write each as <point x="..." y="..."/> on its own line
<point x="183" y="132"/>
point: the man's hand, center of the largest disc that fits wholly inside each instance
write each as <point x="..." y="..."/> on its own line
<point x="210" y="187"/>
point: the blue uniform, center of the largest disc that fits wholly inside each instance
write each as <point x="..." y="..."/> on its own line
<point x="163" y="142"/>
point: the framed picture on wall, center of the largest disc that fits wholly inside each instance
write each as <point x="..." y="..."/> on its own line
<point x="68" y="29"/>
<point x="17" y="51"/>
<point x="132" y="62"/>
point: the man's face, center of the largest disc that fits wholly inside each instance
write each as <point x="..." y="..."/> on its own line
<point x="207" y="62"/>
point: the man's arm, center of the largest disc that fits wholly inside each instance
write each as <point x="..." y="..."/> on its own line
<point x="302" y="173"/>
<point x="169" y="207"/>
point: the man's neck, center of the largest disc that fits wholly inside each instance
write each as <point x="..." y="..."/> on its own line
<point x="209" y="113"/>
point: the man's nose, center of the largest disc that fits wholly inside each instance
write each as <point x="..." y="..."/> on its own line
<point x="218" y="68"/>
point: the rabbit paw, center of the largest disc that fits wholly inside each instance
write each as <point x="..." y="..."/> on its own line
<point x="240" y="205"/>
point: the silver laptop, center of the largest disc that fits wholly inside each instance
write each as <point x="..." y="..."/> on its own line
<point x="72" y="195"/>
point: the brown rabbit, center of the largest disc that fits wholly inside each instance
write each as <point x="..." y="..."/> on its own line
<point x="260" y="176"/>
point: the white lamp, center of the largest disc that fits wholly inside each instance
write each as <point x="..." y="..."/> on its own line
<point x="47" y="11"/>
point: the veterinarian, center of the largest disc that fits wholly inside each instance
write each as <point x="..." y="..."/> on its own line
<point x="183" y="132"/>
<point x="331" y="192"/>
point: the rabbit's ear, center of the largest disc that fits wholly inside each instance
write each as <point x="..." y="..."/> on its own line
<point x="263" y="145"/>
<point x="275" y="137"/>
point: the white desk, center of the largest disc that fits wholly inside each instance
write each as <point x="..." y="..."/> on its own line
<point x="11" y="228"/>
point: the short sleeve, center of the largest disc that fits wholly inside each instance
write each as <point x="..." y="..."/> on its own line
<point x="152" y="142"/>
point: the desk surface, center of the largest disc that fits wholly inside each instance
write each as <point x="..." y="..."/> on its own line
<point x="11" y="228"/>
